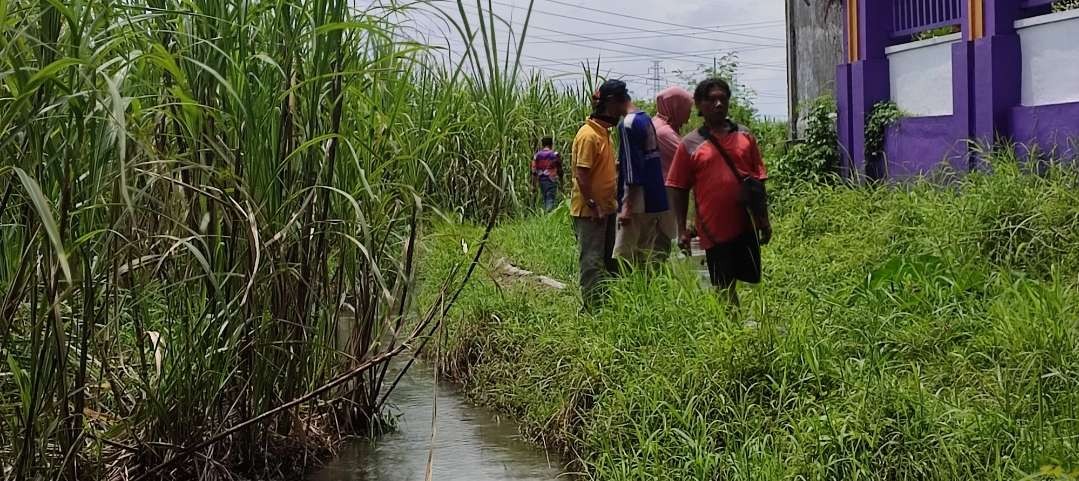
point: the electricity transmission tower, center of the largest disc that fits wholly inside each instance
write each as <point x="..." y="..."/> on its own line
<point x="657" y="71"/>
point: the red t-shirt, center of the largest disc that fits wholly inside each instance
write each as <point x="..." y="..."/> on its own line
<point x="697" y="165"/>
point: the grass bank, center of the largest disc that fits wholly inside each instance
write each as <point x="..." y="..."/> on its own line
<point x="910" y="332"/>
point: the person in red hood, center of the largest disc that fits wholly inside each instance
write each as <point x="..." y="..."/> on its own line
<point x="673" y="107"/>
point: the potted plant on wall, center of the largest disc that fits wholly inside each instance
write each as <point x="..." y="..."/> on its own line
<point x="883" y="115"/>
<point x="1065" y="5"/>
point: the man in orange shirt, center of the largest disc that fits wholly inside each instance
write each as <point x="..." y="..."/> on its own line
<point x="730" y="236"/>
<point x="593" y="201"/>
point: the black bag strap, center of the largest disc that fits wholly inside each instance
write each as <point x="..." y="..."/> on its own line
<point x="706" y="133"/>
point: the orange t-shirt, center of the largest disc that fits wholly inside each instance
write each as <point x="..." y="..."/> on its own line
<point x="592" y="150"/>
<point x="698" y="166"/>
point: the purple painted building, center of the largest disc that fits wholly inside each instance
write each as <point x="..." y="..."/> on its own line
<point x="1009" y="72"/>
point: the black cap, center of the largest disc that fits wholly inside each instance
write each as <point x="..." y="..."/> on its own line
<point x="612" y="90"/>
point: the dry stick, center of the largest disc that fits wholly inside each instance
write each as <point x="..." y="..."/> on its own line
<point x="108" y="442"/>
<point x="468" y="275"/>
<point x="434" y="425"/>
<point x="69" y="458"/>
<point x="38" y="351"/>
<point x="284" y="407"/>
<point x="88" y="321"/>
<point x="409" y="256"/>
<point x="186" y="453"/>
<point x="7" y="194"/>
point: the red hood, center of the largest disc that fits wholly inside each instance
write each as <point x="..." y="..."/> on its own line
<point x="674" y="105"/>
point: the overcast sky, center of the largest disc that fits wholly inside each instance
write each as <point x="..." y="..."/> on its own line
<point x="563" y="33"/>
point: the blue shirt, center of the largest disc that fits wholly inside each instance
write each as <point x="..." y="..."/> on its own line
<point x="639" y="162"/>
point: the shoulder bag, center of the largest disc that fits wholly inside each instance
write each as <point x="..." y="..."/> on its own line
<point x="751" y="192"/>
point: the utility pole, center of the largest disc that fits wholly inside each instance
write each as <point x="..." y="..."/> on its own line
<point x="792" y="69"/>
<point x="656" y="71"/>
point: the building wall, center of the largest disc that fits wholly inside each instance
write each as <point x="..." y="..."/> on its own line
<point x="1014" y="73"/>
<point x="815" y="47"/>
<point x="921" y="76"/>
<point x="1050" y="59"/>
<point x="917" y="145"/>
<point x="1047" y="129"/>
<point x="1047" y="121"/>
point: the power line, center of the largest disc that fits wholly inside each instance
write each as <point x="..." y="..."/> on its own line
<point x="667" y="52"/>
<point x="600" y="47"/>
<point x="659" y="50"/>
<point x="637" y="57"/>
<point x="659" y="33"/>
<point x="684" y="36"/>
<point x="542" y="65"/>
<point x="635" y="29"/>
<point x="671" y="35"/>
<point x="709" y="53"/>
<point x="450" y="42"/>
<point x="726" y="27"/>
<point x="660" y="22"/>
<point x="640" y="78"/>
<point x="547" y="62"/>
<point x="634" y="77"/>
<point x="620" y="74"/>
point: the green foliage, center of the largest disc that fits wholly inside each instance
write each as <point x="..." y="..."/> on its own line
<point x="937" y="32"/>
<point x="726" y="68"/>
<point x="207" y="209"/>
<point x="911" y="332"/>
<point x="646" y="105"/>
<point x="771" y="138"/>
<point x="883" y="115"/>
<point x="815" y="157"/>
<point x="1065" y="5"/>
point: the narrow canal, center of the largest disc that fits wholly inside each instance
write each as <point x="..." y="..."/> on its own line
<point x="470" y="443"/>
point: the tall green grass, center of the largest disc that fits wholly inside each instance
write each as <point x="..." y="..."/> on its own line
<point x="902" y="332"/>
<point x="208" y="209"/>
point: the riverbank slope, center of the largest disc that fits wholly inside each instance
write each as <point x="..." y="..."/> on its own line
<point x="909" y="332"/>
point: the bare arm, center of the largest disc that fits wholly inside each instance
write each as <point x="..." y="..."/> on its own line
<point x="584" y="182"/>
<point x="632" y="192"/>
<point x="680" y="204"/>
<point x="628" y="204"/>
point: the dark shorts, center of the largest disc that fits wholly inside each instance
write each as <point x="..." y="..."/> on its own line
<point x="736" y="260"/>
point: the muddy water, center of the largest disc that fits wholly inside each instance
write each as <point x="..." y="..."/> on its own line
<point x="470" y="443"/>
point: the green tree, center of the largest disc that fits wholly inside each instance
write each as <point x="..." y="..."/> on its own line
<point x="726" y="68"/>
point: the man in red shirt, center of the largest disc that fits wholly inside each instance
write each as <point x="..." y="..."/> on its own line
<point x="728" y="233"/>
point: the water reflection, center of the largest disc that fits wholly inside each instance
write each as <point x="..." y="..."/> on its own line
<point x="471" y="443"/>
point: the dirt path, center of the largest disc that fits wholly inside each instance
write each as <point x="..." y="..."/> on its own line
<point x="504" y="268"/>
